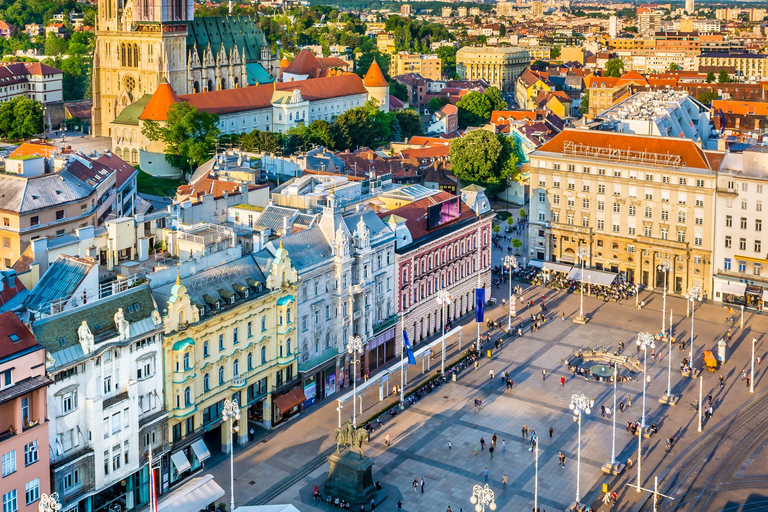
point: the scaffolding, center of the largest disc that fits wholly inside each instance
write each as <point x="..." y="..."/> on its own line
<point x="622" y="155"/>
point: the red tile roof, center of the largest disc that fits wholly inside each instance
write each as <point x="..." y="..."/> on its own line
<point x="428" y="141"/>
<point x="505" y="116"/>
<point x="10" y="325"/>
<point x="416" y="218"/>
<point x="449" y="109"/>
<point x="211" y="184"/>
<point x="758" y="108"/>
<point x="260" y="96"/>
<point x="305" y="63"/>
<point x="428" y="152"/>
<point x="691" y="155"/>
<point x="160" y="102"/>
<point x="9" y="292"/>
<point x="374" y="77"/>
<point x="43" y="149"/>
<point x="124" y="170"/>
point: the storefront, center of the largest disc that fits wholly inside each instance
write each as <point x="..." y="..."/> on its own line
<point x="287" y="404"/>
<point x="319" y="383"/>
<point x="192" y="496"/>
<point x="731" y="292"/>
<point x="186" y="458"/>
<point x="127" y="494"/>
<point x="380" y="350"/>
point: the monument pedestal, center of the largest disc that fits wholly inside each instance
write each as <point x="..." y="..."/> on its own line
<point x="581" y="320"/>
<point x="669" y="399"/>
<point x="350" y="478"/>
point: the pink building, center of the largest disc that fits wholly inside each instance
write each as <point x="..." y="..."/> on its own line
<point x="6" y="29"/>
<point x="24" y="436"/>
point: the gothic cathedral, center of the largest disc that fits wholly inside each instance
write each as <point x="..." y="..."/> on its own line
<point x="140" y="42"/>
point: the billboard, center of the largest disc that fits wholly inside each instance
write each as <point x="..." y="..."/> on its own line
<point x="441" y="213"/>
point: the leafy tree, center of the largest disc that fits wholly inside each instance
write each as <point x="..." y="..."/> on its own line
<point x="497" y="229"/>
<point x="21" y="118"/>
<point x="631" y="29"/>
<point x="554" y="52"/>
<point x="707" y="97"/>
<point x="477" y="20"/>
<point x="435" y="104"/>
<point x="447" y="56"/>
<point x="502" y="30"/>
<point x="398" y="90"/>
<point x="410" y="123"/>
<point x="353" y="128"/>
<point x="614" y="68"/>
<point x="55" y="45"/>
<point x="510" y="220"/>
<point x="516" y="243"/>
<point x="475" y="108"/>
<point x="485" y="158"/>
<point x="710" y="77"/>
<point x="189" y="135"/>
<point x="321" y="134"/>
<point x="674" y="67"/>
<point x="584" y="104"/>
<point x="723" y="77"/>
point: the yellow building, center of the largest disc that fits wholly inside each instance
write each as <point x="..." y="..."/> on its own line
<point x="230" y="334"/>
<point x="527" y="89"/>
<point x="428" y="66"/>
<point x="385" y="42"/>
<point x="498" y="65"/>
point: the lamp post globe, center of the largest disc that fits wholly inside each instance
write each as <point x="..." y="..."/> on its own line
<point x="579" y="404"/>
<point x="482" y="497"/>
<point x="664" y="267"/>
<point x="511" y="263"/>
<point x="582" y="253"/>
<point x="694" y="294"/>
<point x="354" y="348"/>
<point x="231" y="411"/>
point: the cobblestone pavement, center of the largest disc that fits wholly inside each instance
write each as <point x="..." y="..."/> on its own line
<point x="285" y="465"/>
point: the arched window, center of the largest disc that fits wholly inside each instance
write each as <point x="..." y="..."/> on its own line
<point x="221" y="376"/>
<point x="196" y="86"/>
<point x="134" y="156"/>
<point x="122" y="54"/>
<point x="187" y="397"/>
<point x="135" y="55"/>
<point x="210" y="85"/>
<point x="263" y="355"/>
<point x="328" y="340"/>
<point x="250" y="361"/>
<point x="206" y="382"/>
<point x="129" y="55"/>
<point x="236" y="368"/>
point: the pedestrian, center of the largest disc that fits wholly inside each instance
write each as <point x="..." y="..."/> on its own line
<point x="450" y="446"/>
<point x="621" y="406"/>
<point x="448" y="509"/>
<point x="629" y="426"/>
<point x="491" y="374"/>
<point x="524" y="429"/>
<point x="387" y="440"/>
<point x="709" y="398"/>
<point x="544" y="374"/>
<point x="373" y="505"/>
<point x="757" y="360"/>
<point x="422" y="486"/>
<point x="722" y="381"/>
<point x="608" y="412"/>
<point x="710" y="411"/>
<point x="399" y="504"/>
<point x="562" y="316"/>
<point x="629" y="401"/>
<point x="482" y="443"/>
<point x="493" y="440"/>
<point x="743" y="374"/>
<point x="416" y="484"/>
<point x="562" y="380"/>
<point x="485" y="474"/>
<point x="602" y="411"/>
<point x="748" y="381"/>
<point x="503" y="445"/>
<point x="490" y="451"/>
<point x="475" y="450"/>
<point x="551" y="431"/>
<point x="504" y="481"/>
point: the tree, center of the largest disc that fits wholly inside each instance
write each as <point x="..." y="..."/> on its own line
<point x="510" y="220"/>
<point x="517" y="244"/>
<point x="707" y="97"/>
<point x="353" y="129"/>
<point x="398" y="90"/>
<point x="55" y="45"/>
<point x="723" y="77"/>
<point x="447" y="56"/>
<point x="475" y="108"/>
<point x="497" y="229"/>
<point x="584" y="104"/>
<point x="502" y="30"/>
<point x="674" y="67"/>
<point x="710" y="77"/>
<point x="485" y="158"/>
<point x="410" y="123"/>
<point x="436" y="103"/>
<point x="630" y="29"/>
<point x="614" y="68"/>
<point x="554" y="52"/>
<point x="189" y="135"/>
<point x="21" y="118"/>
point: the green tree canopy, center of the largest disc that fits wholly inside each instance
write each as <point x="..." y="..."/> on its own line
<point x="485" y="158"/>
<point x="475" y="108"/>
<point x="674" y="67"/>
<point x="189" y="135"/>
<point x="710" y="77"/>
<point x="410" y="123"/>
<point x="21" y="118"/>
<point x="584" y="103"/>
<point x="436" y="103"/>
<point x="723" y="77"/>
<point x="707" y="97"/>
<point x="614" y="68"/>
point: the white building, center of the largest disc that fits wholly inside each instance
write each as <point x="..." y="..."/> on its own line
<point x="613" y="26"/>
<point x="739" y="267"/>
<point x="32" y="80"/>
<point x="665" y="112"/>
<point x="105" y="405"/>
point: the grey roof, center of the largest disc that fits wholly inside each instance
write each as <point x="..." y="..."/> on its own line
<point x="375" y="225"/>
<point x="305" y="220"/>
<point x="62" y="241"/>
<point x="272" y="217"/>
<point x="210" y="281"/>
<point x="28" y="194"/>
<point x="58" y="333"/>
<point x="58" y="283"/>
<point x="305" y="249"/>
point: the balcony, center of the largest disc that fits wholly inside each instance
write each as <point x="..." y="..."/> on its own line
<point x="238" y="382"/>
<point x="324" y="356"/>
<point x="109" y="402"/>
<point x="385" y="324"/>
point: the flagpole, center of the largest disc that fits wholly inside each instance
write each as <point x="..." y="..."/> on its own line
<point x="402" y="362"/>
<point x="152" y="491"/>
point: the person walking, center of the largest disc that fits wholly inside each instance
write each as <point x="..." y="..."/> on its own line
<point x="743" y="374"/>
<point x="416" y="484"/>
<point x="748" y="381"/>
<point x="562" y="316"/>
<point x="482" y="443"/>
<point x="422" y="486"/>
<point x="504" y="481"/>
<point x="387" y="440"/>
<point x="722" y="381"/>
<point x="562" y="380"/>
<point x="450" y="446"/>
<point x="621" y="406"/>
<point x="544" y="374"/>
<point x="602" y="411"/>
<point x="490" y="451"/>
<point x="524" y="430"/>
<point x="551" y="431"/>
<point x="485" y="474"/>
<point x="629" y="401"/>
<point x="493" y="440"/>
<point x="608" y="412"/>
<point x="503" y="445"/>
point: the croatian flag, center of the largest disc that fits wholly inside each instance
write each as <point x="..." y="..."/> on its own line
<point x="479" y="304"/>
<point x="408" y="348"/>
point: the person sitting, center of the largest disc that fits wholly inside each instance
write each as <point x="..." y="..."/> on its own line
<point x="629" y="463"/>
<point x="654" y="429"/>
<point x="316" y="493"/>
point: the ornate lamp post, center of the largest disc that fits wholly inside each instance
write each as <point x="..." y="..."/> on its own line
<point x="511" y="263"/>
<point x="231" y="411"/>
<point x="664" y="267"/>
<point x="693" y="295"/>
<point x="752" y="371"/>
<point x="354" y="347"/>
<point x="49" y="503"/>
<point x="582" y="253"/>
<point x="443" y="298"/>
<point x="646" y="340"/>
<point x="482" y="497"/>
<point x="579" y="404"/>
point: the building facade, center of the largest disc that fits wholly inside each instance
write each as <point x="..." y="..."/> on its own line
<point x="106" y="401"/>
<point x="32" y="80"/>
<point x="748" y="65"/>
<point x="498" y="65"/>
<point x="24" y="409"/>
<point x="426" y="65"/>
<point x="632" y="201"/>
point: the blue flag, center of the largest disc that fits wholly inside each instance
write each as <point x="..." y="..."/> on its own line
<point x="408" y="348"/>
<point x="479" y="304"/>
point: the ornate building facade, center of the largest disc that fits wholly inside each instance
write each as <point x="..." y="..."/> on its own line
<point x="138" y="43"/>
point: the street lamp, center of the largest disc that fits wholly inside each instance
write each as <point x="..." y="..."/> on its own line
<point x="694" y="294"/>
<point x="646" y="340"/>
<point x="443" y="298"/>
<point x="482" y="496"/>
<point x="354" y="347"/>
<point x="536" y="479"/>
<point x="49" y="503"/>
<point x="231" y="411"/>
<point x="582" y="253"/>
<point x="511" y="263"/>
<point x="664" y="267"/>
<point x="752" y="373"/>
<point x="579" y="404"/>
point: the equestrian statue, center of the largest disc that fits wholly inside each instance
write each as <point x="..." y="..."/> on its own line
<point x="349" y="437"/>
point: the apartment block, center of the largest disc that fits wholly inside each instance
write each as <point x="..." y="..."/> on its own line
<point x="428" y="66"/>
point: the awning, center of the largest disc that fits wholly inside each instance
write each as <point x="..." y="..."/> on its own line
<point x="201" y="451"/>
<point x="765" y="295"/>
<point x="536" y="263"/>
<point x="195" y="495"/>
<point x="597" y="277"/>
<point x="180" y="461"/>
<point x="290" y="400"/>
<point x="734" y="288"/>
<point x="567" y="257"/>
<point x="557" y="267"/>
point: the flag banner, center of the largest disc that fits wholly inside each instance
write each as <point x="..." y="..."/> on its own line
<point x="479" y="304"/>
<point x="408" y="348"/>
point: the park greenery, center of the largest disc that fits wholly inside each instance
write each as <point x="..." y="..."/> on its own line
<point x="20" y="118"/>
<point x="189" y="135"/>
<point x="614" y="68"/>
<point x="475" y="108"/>
<point x="485" y="158"/>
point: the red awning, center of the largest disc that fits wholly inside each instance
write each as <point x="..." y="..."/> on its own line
<point x="290" y="400"/>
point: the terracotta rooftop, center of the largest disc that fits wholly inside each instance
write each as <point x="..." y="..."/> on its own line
<point x="416" y="218"/>
<point x="14" y="335"/>
<point x="428" y="141"/>
<point x="756" y="108"/>
<point x="305" y="63"/>
<point x="162" y="99"/>
<point x="124" y="170"/>
<point x="505" y="116"/>
<point x="34" y="149"/>
<point x="374" y="77"/>
<point x="211" y="185"/>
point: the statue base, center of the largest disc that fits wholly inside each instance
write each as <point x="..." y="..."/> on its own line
<point x="581" y="320"/>
<point x="350" y="478"/>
